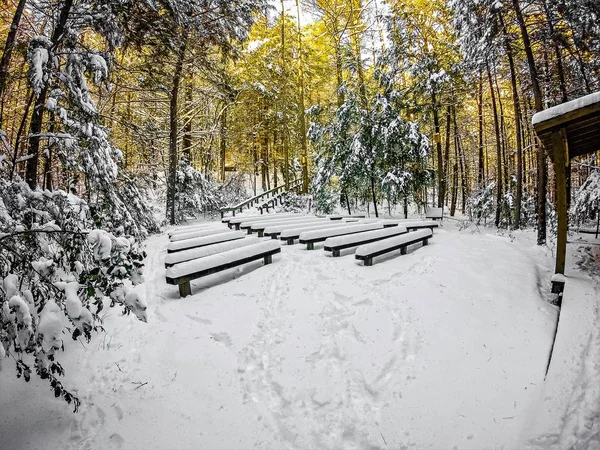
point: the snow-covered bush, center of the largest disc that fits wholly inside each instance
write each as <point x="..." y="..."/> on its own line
<point x="587" y="201"/>
<point x="194" y="194"/>
<point x="325" y="200"/>
<point x="295" y="203"/>
<point x="57" y="272"/>
<point x="481" y="203"/>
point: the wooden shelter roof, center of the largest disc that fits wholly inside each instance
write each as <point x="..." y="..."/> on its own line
<point x="581" y="120"/>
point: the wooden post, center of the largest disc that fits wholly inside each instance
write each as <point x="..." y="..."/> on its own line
<point x="561" y="157"/>
<point x="185" y="289"/>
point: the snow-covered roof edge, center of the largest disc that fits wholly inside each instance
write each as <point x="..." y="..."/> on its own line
<point x="564" y="108"/>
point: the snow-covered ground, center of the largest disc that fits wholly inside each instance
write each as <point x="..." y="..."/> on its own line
<point x="445" y="347"/>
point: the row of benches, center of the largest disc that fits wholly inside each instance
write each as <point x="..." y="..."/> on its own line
<point x="195" y="252"/>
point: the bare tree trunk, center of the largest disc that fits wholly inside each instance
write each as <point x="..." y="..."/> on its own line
<point x="444" y="174"/>
<point x="8" y="48"/>
<point x="374" y="196"/>
<point x="37" y="116"/>
<point x="438" y="147"/>
<point x="173" y="128"/>
<point x="186" y="149"/>
<point x="498" y="150"/>
<point x="517" y="111"/>
<point x="537" y="95"/>
<point x="481" y="171"/>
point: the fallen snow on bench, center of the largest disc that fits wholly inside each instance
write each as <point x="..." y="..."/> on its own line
<point x="263" y="217"/>
<point x="263" y="225"/>
<point x="193" y="228"/>
<point x="357" y="238"/>
<point x="271" y="229"/>
<point x="205" y="240"/>
<point x="369" y="249"/>
<point x="198" y="265"/>
<point x="419" y="223"/>
<point x="201" y="252"/>
<point x="320" y="234"/>
<point x="199" y="233"/>
<point x="295" y="232"/>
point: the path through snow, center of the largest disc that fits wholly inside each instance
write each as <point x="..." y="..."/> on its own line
<point x="444" y="347"/>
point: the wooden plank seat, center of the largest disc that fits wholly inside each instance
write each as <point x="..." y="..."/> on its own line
<point x="236" y="222"/>
<point x="434" y="213"/>
<point x="367" y="252"/>
<point x="181" y="274"/>
<point x="200" y="252"/>
<point x="186" y="244"/>
<point x="310" y="237"/>
<point x="338" y="243"/>
<point x="199" y="233"/>
<point x="259" y="227"/>
<point x="273" y="231"/>
<point x="290" y="235"/>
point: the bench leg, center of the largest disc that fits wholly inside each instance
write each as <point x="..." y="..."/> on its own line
<point x="261" y="233"/>
<point x="229" y="225"/>
<point x="403" y="250"/>
<point x="290" y="241"/>
<point x="268" y="259"/>
<point x="237" y="226"/>
<point x="369" y="262"/>
<point x="335" y="253"/>
<point x="185" y="289"/>
<point x="425" y="242"/>
<point x="249" y="230"/>
<point x="273" y="236"/>
<point x="310" y="246"/>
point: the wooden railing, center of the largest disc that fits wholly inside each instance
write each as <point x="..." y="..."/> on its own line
<point x="257" y="198"/>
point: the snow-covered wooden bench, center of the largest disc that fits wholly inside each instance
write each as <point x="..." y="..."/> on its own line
<point x="310" y="237"/>
<point x="200" y="252"/>
<point x="202" y="241"/>
<point x="192" y="228"/>
<point x="198" y="233"/>
<point x="434" y="213"/>
<point x="367" y="252"/>
<point x="291" y="234"/>
<point x="338" y="243"/>
<point x="273" y="231"/>
<point x="237" y="221"/>
<point x="419" y="225"/>
<point x="259" y="227"/>
<point x="181" y="274"/>
<point x="340" y="217"/>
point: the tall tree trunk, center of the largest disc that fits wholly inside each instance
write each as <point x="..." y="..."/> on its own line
<point x="454" y="188"/>
<point x="223" y="141"/>
<point x="173" y="128"/>
<point x="498" y="149"/>
<point x="37" y="117"/>
<point x="438" y="147"/>
<point x="461" y="162"/>
<point x="374" y="196"/>
<point x="8" y="48"/>
<point x="481" y="168"/>
<point x="444" y="174"/>
<point x="517" y="111"/>
<point x="274" y="158"/>
<point x="537" y="96"/>
<point x="303" y="142"/>
<point x="186" y="143"/>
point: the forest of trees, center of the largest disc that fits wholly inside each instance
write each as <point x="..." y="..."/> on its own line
<point x="109" y="106"/>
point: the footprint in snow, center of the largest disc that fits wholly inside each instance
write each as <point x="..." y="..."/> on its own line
<point x="199" y="320"/>
<point x="223" y="338"/>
